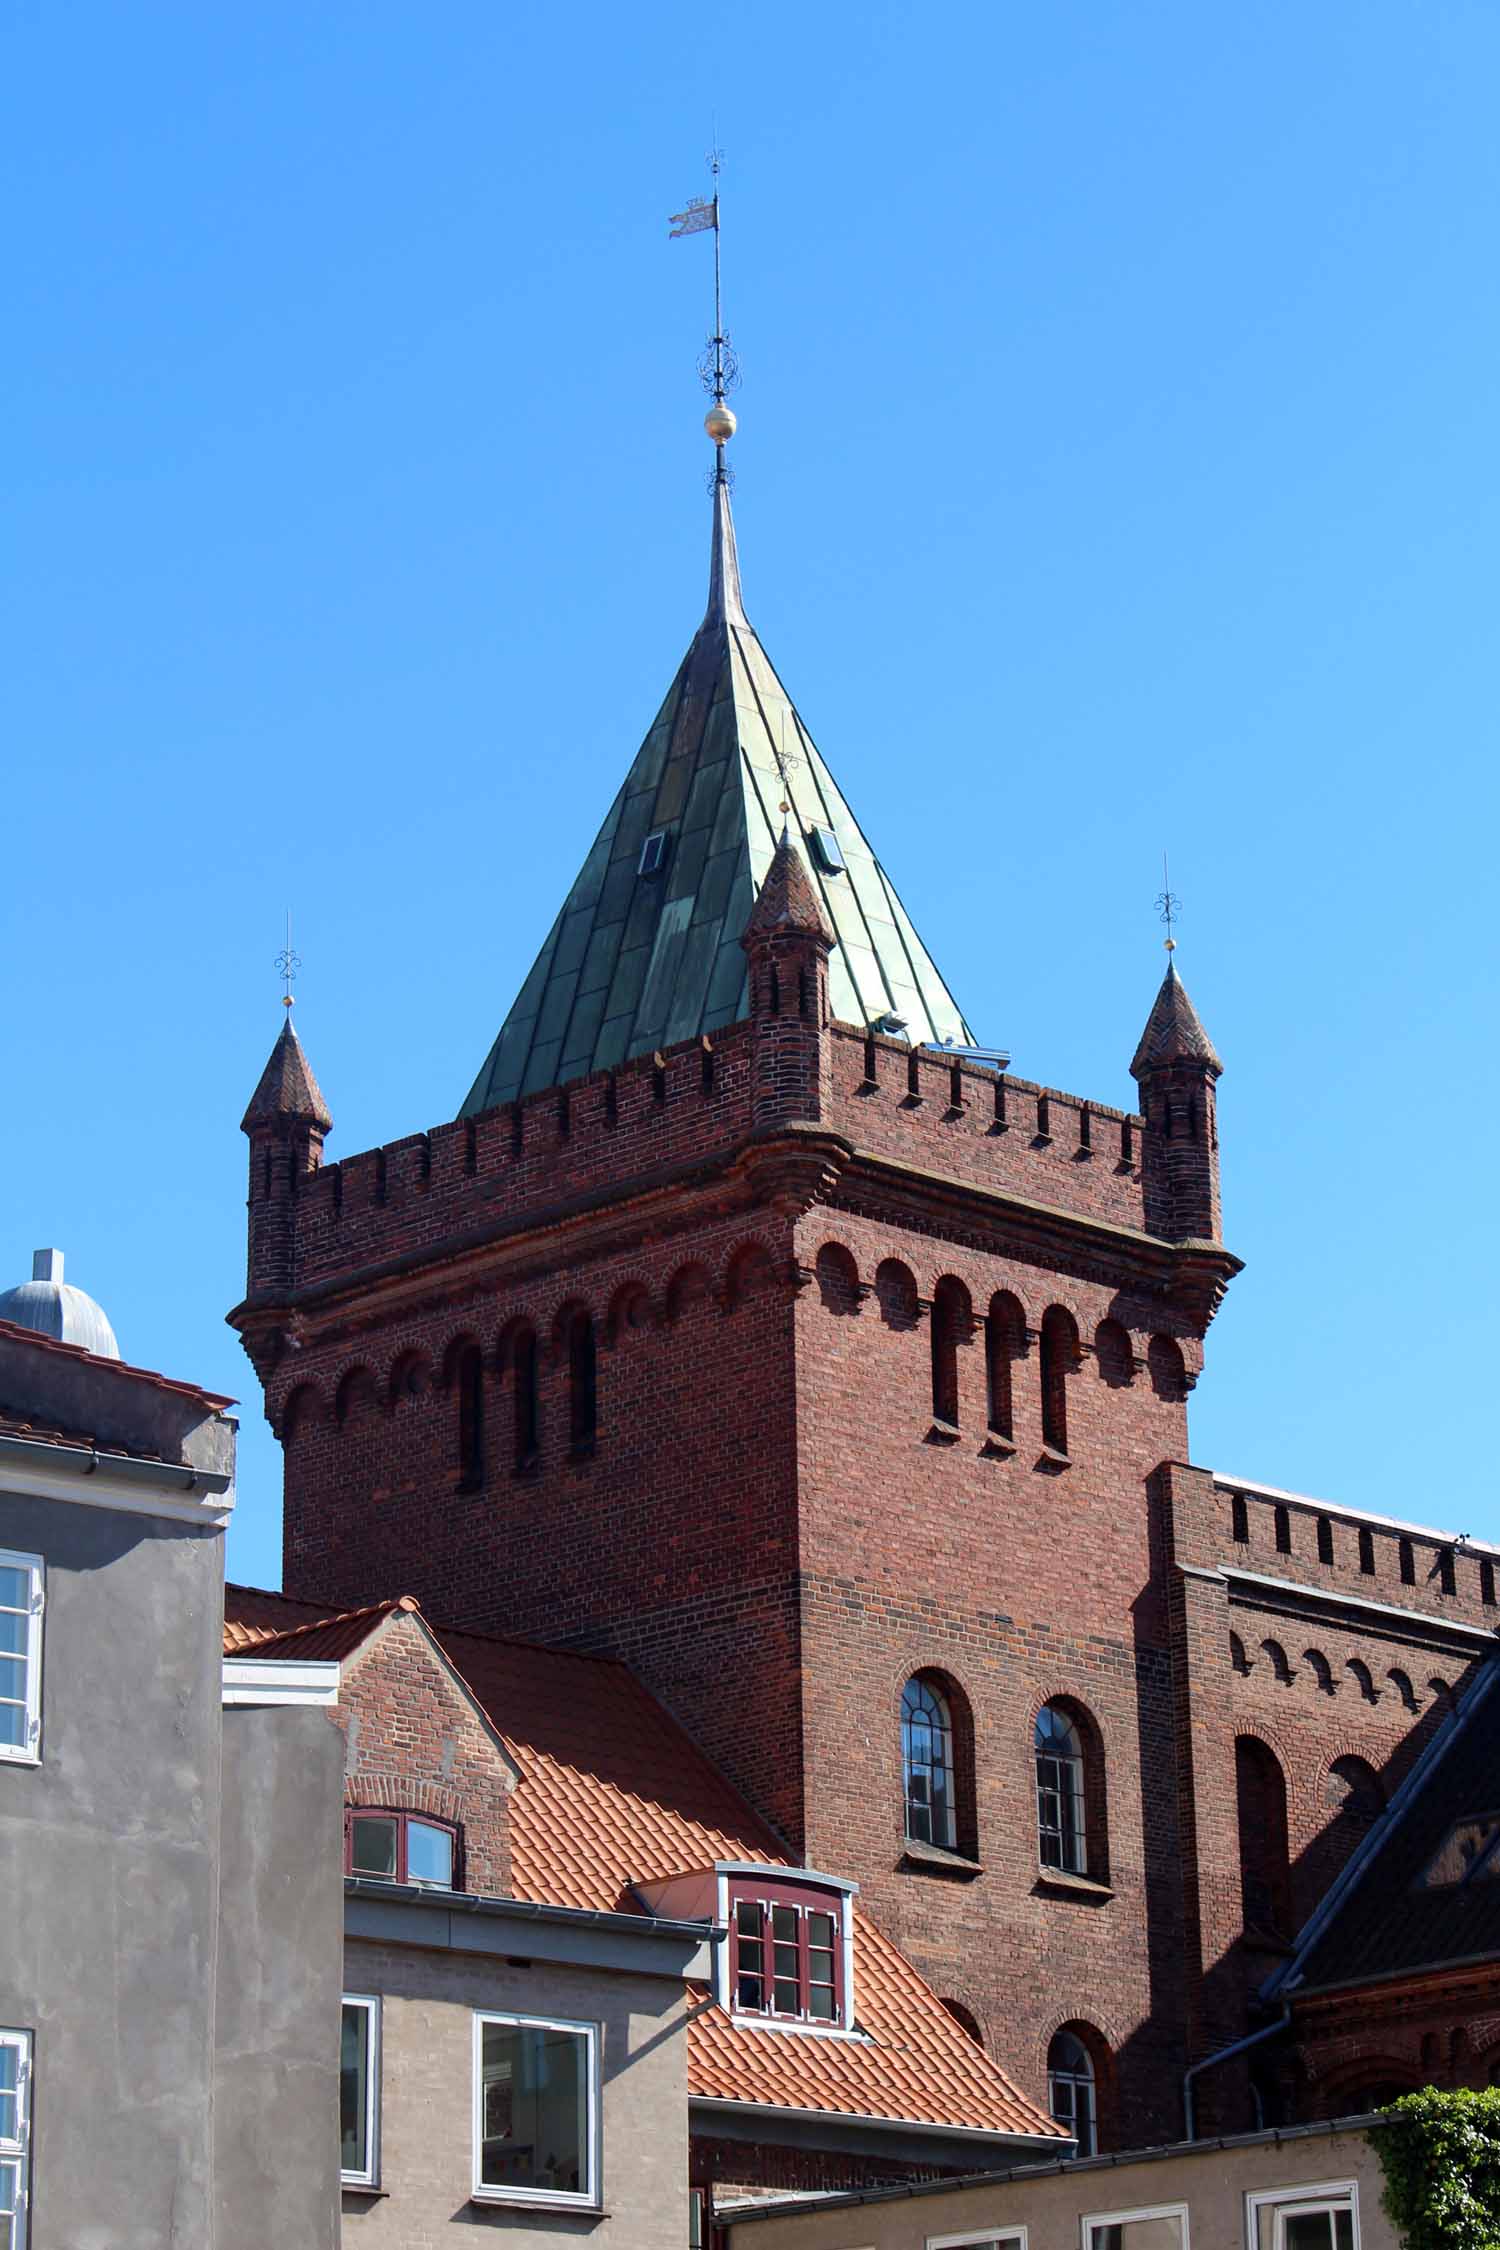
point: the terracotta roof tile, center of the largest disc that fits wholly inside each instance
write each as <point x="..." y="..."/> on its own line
<point x="613" y="1793"/>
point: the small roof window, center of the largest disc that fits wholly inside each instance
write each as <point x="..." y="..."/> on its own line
<point x="653" y="858"/>
<point x="825" y="850"/>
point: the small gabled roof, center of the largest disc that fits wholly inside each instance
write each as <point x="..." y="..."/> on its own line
<point x="640" y="961"/>
<point x="1426" y="1894"/>
<point x="287" y="1087"/>
<point x="612" y="1793"/>
<point x="1173" y="1032"/>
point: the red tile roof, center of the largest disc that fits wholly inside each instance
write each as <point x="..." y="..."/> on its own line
<point x="612" y="1793"/>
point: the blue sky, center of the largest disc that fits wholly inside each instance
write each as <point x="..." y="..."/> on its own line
<point x="1117" y="469"/>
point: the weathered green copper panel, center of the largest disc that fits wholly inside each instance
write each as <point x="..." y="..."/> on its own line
<point x="634" y="962"/>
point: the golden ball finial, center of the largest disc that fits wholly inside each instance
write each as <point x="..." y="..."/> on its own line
<point x="720" y="422"/>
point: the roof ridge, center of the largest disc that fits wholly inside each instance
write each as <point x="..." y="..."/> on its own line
<point x="16" y="1331"/>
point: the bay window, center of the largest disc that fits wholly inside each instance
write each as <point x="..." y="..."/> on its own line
<point x="536" y="2110"/>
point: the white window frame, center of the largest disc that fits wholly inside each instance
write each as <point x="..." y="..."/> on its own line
<point x="590" y="2197"/>
<point x="1314" y="2199"/>
<point x="1094" y="2219"/>
<point x="988" y="2238"/>
<point x="17" y="2151"/>
<point x="370" y="2003"/>
<point x="29" y="1753"/>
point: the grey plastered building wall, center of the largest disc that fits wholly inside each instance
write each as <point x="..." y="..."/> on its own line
<point x="431" y="1963"/>
<point x="160" y="2038"/>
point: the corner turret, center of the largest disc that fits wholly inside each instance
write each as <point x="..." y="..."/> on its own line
<point x="788" y="944"/>
<point x="286" y="1123"/>
<point x="1177" y="1070"/>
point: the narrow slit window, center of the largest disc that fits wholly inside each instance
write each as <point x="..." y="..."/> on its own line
<point x="527" y="1428"/>
<point x="653" y="859"/>
<point x="583" y="1387"/>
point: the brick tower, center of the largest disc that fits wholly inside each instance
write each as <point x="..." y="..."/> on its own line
<point x="737" y="1329"/>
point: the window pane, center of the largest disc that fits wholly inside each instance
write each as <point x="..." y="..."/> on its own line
<point x="1307" y="2230"/>
<point x="15" y="1587"/>
<point x="374" y="1851"/>
<point x="788" y="2001"/>
<point x="534" y="2109"/>
<point x="13" y="1678"/>
<point x="784" y="1923"/>
<point x="1138" y="2234"/>
<point x="13" y="1631"/>
<point x="12" y="1726"/>
<point x="7" y="2117"/>
<point x="820" y="2003"/>
<point x="354" y="2090"/>
<point x="820" y="1929"/>
<point x="429" y="1854"/>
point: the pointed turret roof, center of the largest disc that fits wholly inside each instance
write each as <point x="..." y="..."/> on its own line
<point x="786" y="899"/>
<point x="287" y="1087"/>
<point x="1173" y="1032"/>
<point x="636" y="961"/>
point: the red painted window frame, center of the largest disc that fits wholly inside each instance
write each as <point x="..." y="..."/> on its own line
<point x="805" y="1899"/>
<point x="402" y="1818"/>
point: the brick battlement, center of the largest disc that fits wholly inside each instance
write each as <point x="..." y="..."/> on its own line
<point x="1328" y="1549"/>
<point x="521" y="1161"/>
<point x="916" y="1106"/>
<point x="658" y="1116"/>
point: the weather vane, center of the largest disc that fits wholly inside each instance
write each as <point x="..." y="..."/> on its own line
<point x="718" y="367"/>
<point x="1168" y="907"/>
<point x="287" y="964"/>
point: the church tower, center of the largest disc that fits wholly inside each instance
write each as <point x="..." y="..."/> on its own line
<point x="746" y="1325"/>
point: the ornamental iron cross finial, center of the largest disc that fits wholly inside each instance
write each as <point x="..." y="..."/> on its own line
<point x="287" y="965"/>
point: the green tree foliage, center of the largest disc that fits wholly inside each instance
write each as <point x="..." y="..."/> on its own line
<point x="1441" y="2157"/>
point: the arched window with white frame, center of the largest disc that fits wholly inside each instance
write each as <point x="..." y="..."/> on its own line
<point x="1061" y="1833"/>
<point x="1072" y="2095"/>
<point x="927" y="1759"/>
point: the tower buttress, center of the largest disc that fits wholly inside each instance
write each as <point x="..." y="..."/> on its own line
<point x="1177" y="1071"/>
<point x="286" y="1123"/>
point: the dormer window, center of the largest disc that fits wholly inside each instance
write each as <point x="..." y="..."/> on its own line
<point x="788" y="1944"/>
<point x="653" y="857"/>
<point x="394" y="1847"/>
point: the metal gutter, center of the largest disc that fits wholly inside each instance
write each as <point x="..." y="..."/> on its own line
<point x="1224" y="2055"/>
<point x="714" y="2105"/>
<point x="910" y="2190"/>
<point x="466" y="1922"/>
<point x="87" y="1460"/>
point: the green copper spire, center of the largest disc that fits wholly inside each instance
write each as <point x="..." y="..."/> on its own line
<point x="637" y="960"/>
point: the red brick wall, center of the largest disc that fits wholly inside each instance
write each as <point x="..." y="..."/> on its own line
<point x="415" y="1743"/>
<point x="773" y="1532"/>
<point x="1019" y="1579"/>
